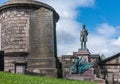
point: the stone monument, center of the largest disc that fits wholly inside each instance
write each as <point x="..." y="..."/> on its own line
<point x="82" y="68"/>
<point x="28" y="34"/>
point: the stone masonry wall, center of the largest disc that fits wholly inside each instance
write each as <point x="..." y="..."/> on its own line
<point x="15" y="30"/>
<point x="42" y="33"/>
<point x="15" y="26"/>
<point x="42" y="51"/>
<point x="10" y="62"/>
<point x="32" y="31"/>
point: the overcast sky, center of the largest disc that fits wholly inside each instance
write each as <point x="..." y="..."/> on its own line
<point x="101" y="18"/>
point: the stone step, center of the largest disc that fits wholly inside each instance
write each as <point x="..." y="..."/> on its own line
<point x="89" y="71"/>
<point x="80" y="77"/>
<point x="92" y="78"/>
<point x="99" y="81"/>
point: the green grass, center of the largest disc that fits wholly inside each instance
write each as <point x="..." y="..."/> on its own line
<point x="10" y="78"/>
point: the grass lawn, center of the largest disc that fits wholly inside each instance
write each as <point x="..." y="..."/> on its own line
<point x="10" y="78"/>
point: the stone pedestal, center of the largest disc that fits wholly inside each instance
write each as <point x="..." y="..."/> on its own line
<point x="82" y="53"/>
<point x="87" y="75"/>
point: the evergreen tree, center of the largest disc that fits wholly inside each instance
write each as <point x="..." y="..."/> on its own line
<point x="102" y="57"/>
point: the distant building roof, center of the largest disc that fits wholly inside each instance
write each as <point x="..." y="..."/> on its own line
<point x="110" y="58"/>
<point x="94" y="55"/>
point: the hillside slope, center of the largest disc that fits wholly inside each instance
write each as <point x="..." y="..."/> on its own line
<point x="10" y="78"/>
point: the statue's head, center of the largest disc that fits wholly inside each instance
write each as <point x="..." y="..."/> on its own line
<point x="77" y="57"/>
<point x="84" y="26"/>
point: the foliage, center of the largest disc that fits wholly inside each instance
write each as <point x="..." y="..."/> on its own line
<point x="102" y="57"/>
<point x="10" y="78"/>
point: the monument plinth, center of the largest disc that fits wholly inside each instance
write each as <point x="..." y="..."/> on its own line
<point x="81" y="68"/>
<point x="87" y="75"/>
<point x="80" y="53"/>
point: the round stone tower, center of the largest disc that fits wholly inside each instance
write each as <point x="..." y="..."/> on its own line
<point x="28" y="37"/>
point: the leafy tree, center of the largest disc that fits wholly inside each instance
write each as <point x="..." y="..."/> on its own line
<point x="102" y="57"/>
